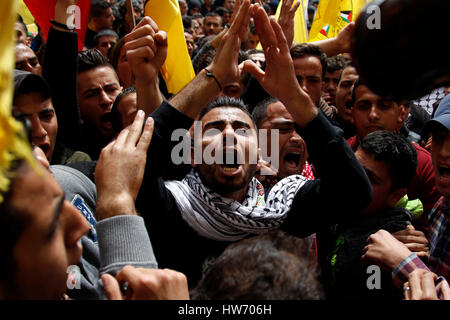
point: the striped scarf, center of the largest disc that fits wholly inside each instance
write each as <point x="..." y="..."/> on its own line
<point x="224" y="219"/>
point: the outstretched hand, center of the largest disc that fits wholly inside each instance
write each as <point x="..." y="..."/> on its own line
<point x="279" y="78"/>
<point x="225" y="63"/>
<point x="286" y="19"/>
<point x="218" y="39"/>
<point x="120" y="169"/>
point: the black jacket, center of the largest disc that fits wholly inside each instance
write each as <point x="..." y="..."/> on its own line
<point x="178" y="246"/>
<point x="340" y="248"/>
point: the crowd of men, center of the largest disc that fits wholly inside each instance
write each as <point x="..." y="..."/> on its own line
<point x="347" y="198"/>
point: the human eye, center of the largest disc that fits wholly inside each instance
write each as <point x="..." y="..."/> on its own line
<point x="46" y="115"/>
<point x="363" y="105"/>
<point x="243" y="131"/>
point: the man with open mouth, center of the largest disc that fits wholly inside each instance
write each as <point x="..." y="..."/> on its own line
<point x="191" y="221"/>
<point x="33" y="101"/>
<point x="370" y="113"/>
<point x="271" y="114"/>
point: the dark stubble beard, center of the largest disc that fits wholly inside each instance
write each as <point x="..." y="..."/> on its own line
<point x="206" y="173"/>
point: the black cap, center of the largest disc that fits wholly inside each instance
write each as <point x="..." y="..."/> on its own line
<point x="27" y="82"/>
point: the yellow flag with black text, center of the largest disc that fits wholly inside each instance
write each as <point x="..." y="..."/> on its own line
<point x="177" y="70"/>
<point x="332" y="16"/>
<point x="13" y="142"/>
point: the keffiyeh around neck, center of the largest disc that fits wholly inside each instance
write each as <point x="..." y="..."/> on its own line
<point x="224" y="219"/>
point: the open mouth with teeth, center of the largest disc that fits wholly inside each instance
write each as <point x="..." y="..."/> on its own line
<point x="292" y="159"/>
<point x="444" y="172"/>
<point x="106" y="120"/>
<point x="45" y="148"/>
<point x="230" y="164"/>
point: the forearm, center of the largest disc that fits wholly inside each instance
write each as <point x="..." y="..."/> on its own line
<point x="149" y="96"/>
<point x="61" y="50"/>
<point x="167" y="119"/>
<point x="330" y="46"/>
<point x="300" y="106"/>
<point x="323" y="202"/>
<point x="345" y="178"/>
<point x="401" y="272"/>
<point x="123" y="240"/>
<point x="196" y="95"/>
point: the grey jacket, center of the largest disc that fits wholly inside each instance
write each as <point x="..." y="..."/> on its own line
<point x="111" y="243"/>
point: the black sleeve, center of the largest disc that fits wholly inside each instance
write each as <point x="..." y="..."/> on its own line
<point x="60" y="71"/>
<point x="343" y="189"/>
<point x="167" y="119"/>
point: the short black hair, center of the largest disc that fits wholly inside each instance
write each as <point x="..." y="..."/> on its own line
<point x="197" y="16"/>
<point x="253" y="51"/>
<point x="213" y="14"/>
<point x="98" y="8"/>
<point x="308" y="49"/>
<point x="91" y="59"/>
<point x="24" y="26"/>
<point x="357" y="84"/>
<point x="187" y="22"/>
<point x="225" y="101"/>
<point x="259" y="113"/>
<point x="396" y="151"/>
<point x="104" y="33"/>
<point x="272" y="266"/>
<point x="336" y="63"/>
<point x="221" y="11"/>
<point x="114" y="54"/>
<point x="114" y="116"/>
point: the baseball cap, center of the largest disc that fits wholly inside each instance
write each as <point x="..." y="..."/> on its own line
<point x="441" y="116"/>
<point x="27" y="82"/>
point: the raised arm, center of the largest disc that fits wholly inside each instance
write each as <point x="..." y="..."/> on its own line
<point x="279" y="79"/>
<point x="224" y="68"/>
<point x="60" y="70"/>
<point x="339" y="44"/>
<point x="146" y="48"/>
<point x="323" y="196"/>
<point x="122" y="236"/>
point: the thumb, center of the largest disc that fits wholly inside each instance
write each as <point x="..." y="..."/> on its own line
<point x="161" y="39"/>
<point x="111" y="286"/>
<point x="162" y="44"/>
<point x="410" y="227"/>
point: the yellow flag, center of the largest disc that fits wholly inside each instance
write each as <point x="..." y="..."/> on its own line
<point x="332" y="16"/>
<point x="13" y="142"/>
<point x="300" y="28"/>
<point x="177" y="69"/>
<point x="27" y="18"/>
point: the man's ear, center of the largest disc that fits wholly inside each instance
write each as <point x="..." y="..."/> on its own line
<point x="395" y="196"/>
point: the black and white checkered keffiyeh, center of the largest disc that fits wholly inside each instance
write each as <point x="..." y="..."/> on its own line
<point x="224" y="219"/>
